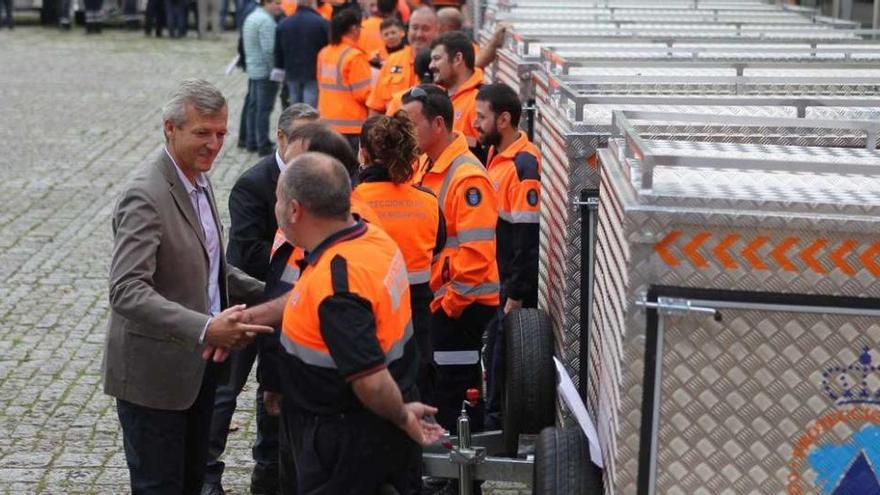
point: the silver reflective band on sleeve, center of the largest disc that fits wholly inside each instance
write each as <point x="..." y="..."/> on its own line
<point x="470" y="235"/>
<point x="422" y="277"/>
<point x="520" y="216"/>
<point x="361" y="84"/>
<point x="308" y="355"/>
<point x="452" y="358"/>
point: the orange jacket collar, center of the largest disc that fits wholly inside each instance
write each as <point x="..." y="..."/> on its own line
<point x="456" y="148"/>
<point x="515" y="147"/>
<point x="472" y="83"/>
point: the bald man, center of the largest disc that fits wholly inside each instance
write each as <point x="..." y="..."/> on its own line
<point x="449" y="19"/>
<point x="399" y="74"/>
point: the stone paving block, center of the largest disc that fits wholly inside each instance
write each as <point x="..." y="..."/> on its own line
<point x="80" y="114"/>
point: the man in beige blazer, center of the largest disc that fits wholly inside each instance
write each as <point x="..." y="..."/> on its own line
<point x="171" y="320"/>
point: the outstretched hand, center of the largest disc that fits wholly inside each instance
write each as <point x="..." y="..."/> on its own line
<point x="417" y="425"/>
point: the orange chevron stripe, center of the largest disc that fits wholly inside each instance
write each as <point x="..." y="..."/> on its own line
<point x="662" y="248"/>
<point x="869" y="259"/>
<point x="839" y="257"/>
<point x="778" y="254"/>
<point x="750" y="252"/>
<point x="808" y="256"/>
<point x="720" y="251"/>
<point x="692" y="249"/>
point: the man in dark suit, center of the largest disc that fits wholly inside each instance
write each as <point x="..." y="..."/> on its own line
<point x="252" y="211"/>
<point x="171" y="319"/>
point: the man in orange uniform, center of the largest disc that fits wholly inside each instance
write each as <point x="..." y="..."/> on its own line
<point x="465" y="277"/>
<point x="371" y="35"/>
<point x="515" y="170"/>
<point x="452" y="63"/>
<point x="398" y="73"/>
<point x="349" y="366"/>
<point x="344" y="77"/>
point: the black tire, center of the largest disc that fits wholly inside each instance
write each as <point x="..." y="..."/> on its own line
<point x="563" y="466"/>
<point x="529" y="394"/>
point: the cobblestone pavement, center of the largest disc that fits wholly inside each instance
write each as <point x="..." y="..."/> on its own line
<point x="77" y="115"/>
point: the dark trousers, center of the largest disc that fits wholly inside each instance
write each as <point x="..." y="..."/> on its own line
<point x="155" y="16"/>
<point x="265" y="449"/>
<point x="420" y="303"/>
<point x="457" y="344"/>
<point x="495" y="369"/>
<point x="166" y="451"/>
<point x="262" y="100"/>
<point x="175" y="13"/>
<point x="352" y="454"/>
<point x="286" y="466"/>
<point x="94" y="15"/>
<point x="243" y="130"/>
<point x="6" y="5"/>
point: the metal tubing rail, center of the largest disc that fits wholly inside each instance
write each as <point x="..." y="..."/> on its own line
<point x="636" y="147"/>
<point x="556" y="65"/>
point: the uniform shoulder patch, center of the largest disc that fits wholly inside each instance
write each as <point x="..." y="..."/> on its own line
<point x="473" y="196"/>
<point x="396" y="69"/>
<point x="532" y="197"/>
<point x="526" y="166"/>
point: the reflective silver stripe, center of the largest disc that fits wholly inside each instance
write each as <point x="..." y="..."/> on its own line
<point x="361" y="84"/>
<point x="290" y="274"/>
<point x="396" y="351"/>
<point x="452" y="358"/>
<point x="342" y="122"/>
<point x="325" y="360"/>
<point x="470" y="235"/>
<point x="450" y="172"/>
<point x="422" y="277"/>
<point x="520" y="216"/>
<point x="308" y="355"/>
<point x="345" y="87"/>
<point x="468" y="290"/>
<point x="339" y="65"/>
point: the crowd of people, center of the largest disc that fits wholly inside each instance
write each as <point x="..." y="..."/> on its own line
<point x="382" y="236"/>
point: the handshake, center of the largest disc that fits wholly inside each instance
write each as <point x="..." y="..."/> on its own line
<point x="231" y="330"/>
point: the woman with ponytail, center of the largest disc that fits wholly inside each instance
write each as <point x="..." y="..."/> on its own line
<point x="409" y="214"/>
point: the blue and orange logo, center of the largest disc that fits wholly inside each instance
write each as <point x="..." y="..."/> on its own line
<point x="851" y="467"/>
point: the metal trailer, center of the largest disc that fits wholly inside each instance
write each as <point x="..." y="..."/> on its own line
<point x="737" y="306"/>
<point x="574" y="126"/>
<point x="485" y="456"/>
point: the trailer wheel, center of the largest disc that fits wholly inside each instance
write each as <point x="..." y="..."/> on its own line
<point x="529" y="394"/>
<point x="563" y="466"/>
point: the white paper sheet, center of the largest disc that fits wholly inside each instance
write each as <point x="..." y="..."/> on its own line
<point x="572" y="399"/>
<point x="277" y="75"/>
<point x="231" y="66"/>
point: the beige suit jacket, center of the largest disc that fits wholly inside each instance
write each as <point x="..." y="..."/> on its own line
<point x="158" y="292"/>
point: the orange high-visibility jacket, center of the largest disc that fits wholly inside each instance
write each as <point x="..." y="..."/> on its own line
<point x="397" y="75"/>
<point x="516" y="175"/>
<point x="344" y="79"/>
<point x="370" y="39"/>
<point x="367" y="264"/>
<point x="464" y="103"/>
<point x="466" y="271"/>
<point x="412" y="217"/>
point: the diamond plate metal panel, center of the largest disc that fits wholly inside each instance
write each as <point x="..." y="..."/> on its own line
<point x="719" y="431"/>
<point x="738" y="394"/>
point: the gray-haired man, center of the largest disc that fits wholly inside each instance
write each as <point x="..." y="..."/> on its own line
<point x="171" y="293"/>
<point x="252" y="211"/>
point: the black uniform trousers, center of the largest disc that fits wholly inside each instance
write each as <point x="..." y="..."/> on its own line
<point x="352" y="454"/>
<point x="167" y="451"/>
<point x="462" y="335"/>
